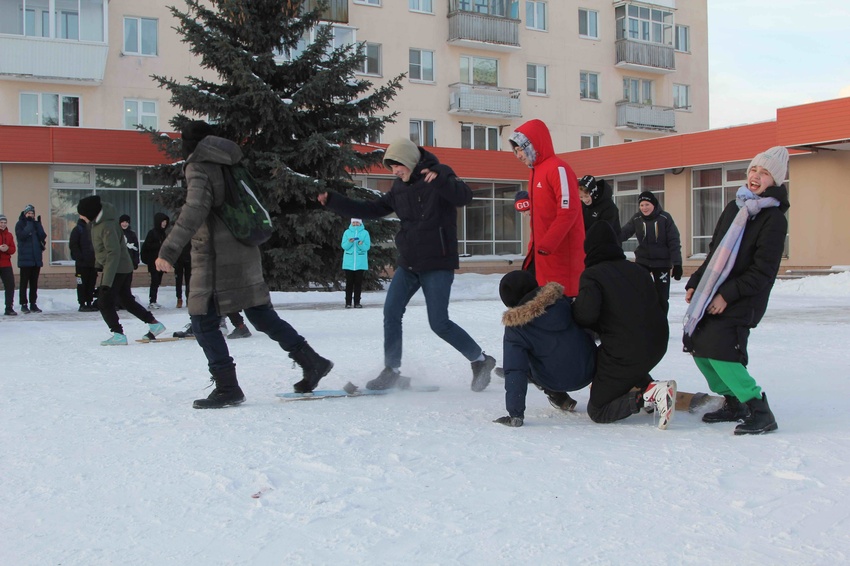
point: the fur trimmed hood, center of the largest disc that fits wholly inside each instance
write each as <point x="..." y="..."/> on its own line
<point x="526" y="312"/>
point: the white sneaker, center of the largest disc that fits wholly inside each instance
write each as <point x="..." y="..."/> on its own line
<point x="662" y="396"/>
<point x="154" y="306"/>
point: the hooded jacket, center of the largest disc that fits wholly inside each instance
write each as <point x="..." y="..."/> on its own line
<point x="355" y="255"/>
<point x="427" y="236"/>
<point x="7" y="238"/>
<point x="153" y="241"/>
<point x="602" y="207"/>
<point x="659" y="245"/>
<point x="557" y="224"/>
<point x="82" y="250"/>
<point x="110" y="247"/>
<point x="747" y="288"/>
<point x="542" y="339"/>
<point x="32" y="239"/>
<point x="223" y="269"/>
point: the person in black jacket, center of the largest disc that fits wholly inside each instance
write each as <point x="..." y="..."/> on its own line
<point x="425" y="197"/>
<point x="659" y="247"/>
<point x="132" y="241"/>
<point x="150" y="251"/>
<point x="183" y="274"/>
<point x="598" y="203"/>
<point x="542" y="345"/>
<point x="82" y="252"/>
<point x="617" y="300"/>
<point x="32" y="241"/>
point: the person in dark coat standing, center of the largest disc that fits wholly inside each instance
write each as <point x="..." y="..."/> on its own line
<point x="133" y="245"/>
<point x="82" y="252"/>
<point x="227" y="274"/>
<point x="425" y="196"/>
<point x="183" y="274"/>
<point x="598" y="203"/>
<point x="617" y="300"/>
<point x="150" y="251"/>
<point x="32" y="241"/>
<point x="7" y="250"/>
<point x="542" y="345"/>
<point x="659" y="247"/>
<point x="729" y="292"/>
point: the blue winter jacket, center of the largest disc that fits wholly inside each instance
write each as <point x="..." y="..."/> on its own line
<point x="542" y="342"/>
<point x="32" y="239"/>
<point x="355" y="256"/>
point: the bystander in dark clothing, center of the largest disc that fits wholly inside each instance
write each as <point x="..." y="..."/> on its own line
<point x="150" y="251"/>
<point x="82" y="252"/>
<point x="182" y="274"/>
<point x="32" y="241"/>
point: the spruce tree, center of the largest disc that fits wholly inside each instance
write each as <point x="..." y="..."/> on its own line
<point x="295" y="108"/>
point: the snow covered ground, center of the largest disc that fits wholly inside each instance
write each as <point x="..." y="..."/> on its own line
<point x="104" y="461"/>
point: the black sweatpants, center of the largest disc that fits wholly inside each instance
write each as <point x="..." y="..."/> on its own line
<point x="121" y="293"/>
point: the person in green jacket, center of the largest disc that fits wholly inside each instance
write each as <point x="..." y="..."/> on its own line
<point x="111" y="255"/>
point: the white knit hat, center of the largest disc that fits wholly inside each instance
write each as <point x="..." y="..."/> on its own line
<point x="775" y="160"/>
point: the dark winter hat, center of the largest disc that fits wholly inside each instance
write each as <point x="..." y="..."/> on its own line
<point x="404" y="152"/>
<point x="516" y="285"/>
<point x="29" y="208"/>
<point x="522" y="202"/>
<point x="649" y="197"/>
<point x="601" y="244"/>
<point x="90" y="207"/>
<point x="192" y="134"/>
<point x="124" y="218"/>
<point x="591" y="185"/>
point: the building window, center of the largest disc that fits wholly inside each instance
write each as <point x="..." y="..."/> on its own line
<point x="475" y="136"/>
<point x="368" y="2"/>
<point x="372" y="63"/>
<point x="421" y="65"/>
<point x="589" y="141"/>
<point x="489" y="225"/>
<point x="589" y="85"/>
<point x="499" y="8"/>
<point x="642" y="23"/>
<point x="422" y="132"/>
<point x="681" y="97"/>
<point x="587" y="23"/>
<point x="342" y="36"/>
<point x="140" y="36"/>
<point x="536" y="75"/>
<point x="49" y="109"/>
<point x="479" y="71"/>
<point x="426" y="6"/>
<point x="72" y="19"/>
<point x="638" y="91"/>
<point x="142" y="112"/>
<point x="683" y="39"/>
<point x="626" y="193"/>
<point x="535" y="15"/>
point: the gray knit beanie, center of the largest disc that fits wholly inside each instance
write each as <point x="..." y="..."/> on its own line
<point x="402" y="151"/>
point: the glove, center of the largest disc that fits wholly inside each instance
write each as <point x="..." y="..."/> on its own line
<point x="677" y="272"/>
<point x="510" y="421"/>
<point x="39" y="219"/>
<point x="103" y="291"/>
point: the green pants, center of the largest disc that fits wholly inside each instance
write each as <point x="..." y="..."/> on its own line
<point x="729" y="378"/>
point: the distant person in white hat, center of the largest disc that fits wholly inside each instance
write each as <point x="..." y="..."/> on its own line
<point x="355" y="260"/>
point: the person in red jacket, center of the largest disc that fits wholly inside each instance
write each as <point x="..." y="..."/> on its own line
<point x="7" y="249"/>
<point x="556" y="248"/>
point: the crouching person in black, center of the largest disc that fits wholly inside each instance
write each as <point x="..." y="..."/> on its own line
<point x="617" y="300"/>
<point x="542" y="345"/>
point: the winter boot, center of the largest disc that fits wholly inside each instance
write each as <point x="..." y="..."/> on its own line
<point x="11" y="312"/>
<point x="314" y="366"/>
<point x="481" y="373"/>
<point x="117" y="339"/>
<point x="239" y="332"/>
<point x="34" y="308"/>
<point x="179" y="303"/>
<point x="731" y="411"/>
<point x="661" y="394"/>
<point x="560" y="400"/>
<point x="760" y="419"/>
<point x="187" y="332"/>
<point x="25" y="309"/>
<point x="226" y="393"/>
<point x="387" y="379"/>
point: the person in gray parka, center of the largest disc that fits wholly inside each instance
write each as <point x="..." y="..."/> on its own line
<point x="227" y="275"/>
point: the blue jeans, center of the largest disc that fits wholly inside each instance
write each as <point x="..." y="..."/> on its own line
<point x="436" y="285"/>
<point x="263" y="318"/>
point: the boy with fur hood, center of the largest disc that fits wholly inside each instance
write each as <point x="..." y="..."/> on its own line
<point x="542" y="345"/>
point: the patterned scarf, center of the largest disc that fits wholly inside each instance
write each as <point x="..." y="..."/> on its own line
<point x="723" y="259"/>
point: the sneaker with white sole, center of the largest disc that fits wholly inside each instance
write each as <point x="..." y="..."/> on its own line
<point x="157" y="328"/>
<point x="154" y="306"/>
<point x="662" y="396"/>
<point x="117" y="339"/>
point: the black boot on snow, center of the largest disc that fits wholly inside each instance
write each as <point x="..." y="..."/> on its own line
<point x="387" y="379"/>
<point x="314" y="366"/>
<point x="226" y="393"/>
<point x="731" y="411"/>
<point x="560" y="400"/>
<point x="481" y="373"/>
<point x="760" y="420"/>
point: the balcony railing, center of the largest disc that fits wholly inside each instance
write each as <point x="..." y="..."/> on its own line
<point x="648" y="57"/>
<point x="645" y="117"/>
<point x="483" y="31"/>
<point x="337" y="10"/>
<point x="41" y="59"/>
<point x="477" y="100"/>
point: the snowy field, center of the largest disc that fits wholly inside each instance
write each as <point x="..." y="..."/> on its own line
<point x="103" y="461"/>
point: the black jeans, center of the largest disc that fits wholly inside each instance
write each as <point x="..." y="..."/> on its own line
<point x="182" y="274"/>
<point x="156" y="281"/>
<point x="8" y="278"/>
<point x="353" y="285"/>
<point x="86" y="279"/>
<point x="29" y="278"/>
<point x="120" y="293"/>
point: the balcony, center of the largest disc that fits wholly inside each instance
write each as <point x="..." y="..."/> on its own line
<point x="52" y="60"/>
<point x="645" y="57"/>
<point x="645" y="117"/>
<point x="477" y="100"/>
<point x="337" y="10"/>
<point x="483" y="31"/>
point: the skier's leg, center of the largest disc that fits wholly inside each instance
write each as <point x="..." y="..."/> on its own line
<point x="402" y="288"/>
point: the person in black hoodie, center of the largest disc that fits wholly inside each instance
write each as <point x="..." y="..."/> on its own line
<point x="542" y="345"/>
<point x="425" y="197"/>
<point x="82" y="252"/>
<point x="659" y="247"/>
<point x="598" y="203"/>
<point x="617" y="300"/>
<point x="150" y="251"/>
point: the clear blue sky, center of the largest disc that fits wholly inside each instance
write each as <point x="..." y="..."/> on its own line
<point x="769" y="54"/>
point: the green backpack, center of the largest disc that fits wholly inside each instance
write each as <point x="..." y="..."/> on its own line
<point x="242" y="212"/>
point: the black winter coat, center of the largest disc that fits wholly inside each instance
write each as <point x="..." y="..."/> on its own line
<point x="427" y="237"/>
<point x="602" y="208"/>
<point x="153" y="241"/>
<point x="747" y="288"/>
<point x="82" y="251"/>
<point x="541" y="338"/>
<point x="32" y="241"/>
<point x="133" y="246"/>
<point x="659" y="246"/>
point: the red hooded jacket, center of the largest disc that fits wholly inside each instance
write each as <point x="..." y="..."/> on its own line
<point x="557" y="224"/>
<point x="6" y="257"/>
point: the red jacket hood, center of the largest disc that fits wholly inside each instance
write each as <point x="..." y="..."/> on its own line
<point x="538" y="134"/>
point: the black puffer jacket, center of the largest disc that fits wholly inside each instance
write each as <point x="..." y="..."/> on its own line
<point x="82" y="250"/>
<point x="427" y="237"/>
<point x="154" y="240"/>
<point x="747" y="288"/>
<point x="602" y="207"/>
<point x="659" y="246"/>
